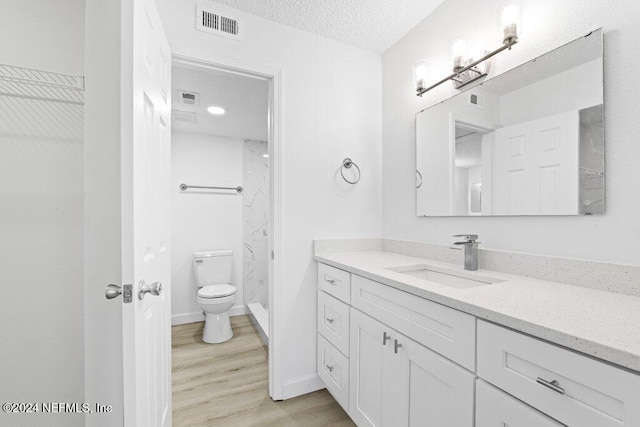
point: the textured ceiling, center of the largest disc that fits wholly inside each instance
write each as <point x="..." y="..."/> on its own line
<point x="373" y="25"/>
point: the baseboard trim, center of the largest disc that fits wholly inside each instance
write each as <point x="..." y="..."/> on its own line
<point x="182" y="318"/>
<point x="302" y="385"/>
<point x="238" y="310"/>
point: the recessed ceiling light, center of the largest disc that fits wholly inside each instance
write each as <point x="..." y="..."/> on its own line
<point x="216" y="111"/>
<point x="266" y="156"/>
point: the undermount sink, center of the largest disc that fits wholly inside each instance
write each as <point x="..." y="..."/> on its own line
<point x="446" y="277"/>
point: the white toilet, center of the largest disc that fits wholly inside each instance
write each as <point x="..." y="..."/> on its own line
<point x="216" y="295"/>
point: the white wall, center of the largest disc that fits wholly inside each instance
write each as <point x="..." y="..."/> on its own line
<point x="574" y="89"/>
<point x="203" y="220"/>
<point x="43" y="34"/>
<point x="547" y="24"/>
<point x="41" y="224"/>
<point x="331" y="110"/>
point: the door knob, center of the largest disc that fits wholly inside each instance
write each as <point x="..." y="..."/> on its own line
<point x="154" y="289"/>
<point x="112" y="291"/>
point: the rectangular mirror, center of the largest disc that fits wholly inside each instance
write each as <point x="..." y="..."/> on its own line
<point x="526" y="142"/>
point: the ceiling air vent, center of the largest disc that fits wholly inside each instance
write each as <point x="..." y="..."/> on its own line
<point x="189" y="98"/>
<point x="218" y="24"/>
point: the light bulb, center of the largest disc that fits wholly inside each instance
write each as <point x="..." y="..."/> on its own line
<point x="458" y="51"/>
<point x="421" y="72"/>
<point x="216" y="111"/>
<point x="509" y="19"/>
<point x="510" y="15"/>
<point x="459" y="48"/>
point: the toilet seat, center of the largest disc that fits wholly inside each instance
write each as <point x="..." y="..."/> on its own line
<point x="216" y="291"/>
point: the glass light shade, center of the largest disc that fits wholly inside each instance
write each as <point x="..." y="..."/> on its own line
<point x="458" y="51"/>
<point x="475" y="52"/>
<point x="420" y="74"/>
<point x="509" y="16"/>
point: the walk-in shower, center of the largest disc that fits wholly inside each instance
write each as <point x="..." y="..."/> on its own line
<point x="256" y="237"/>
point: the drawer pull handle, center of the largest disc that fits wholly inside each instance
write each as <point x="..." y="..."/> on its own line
<point x="331" y="281"/>
<point x="553" y="385"/>
<point x="396" y="346"/>
<point x="329" y="368"/>
<point x="385" y="338"/>
<point x="330" y="320"/>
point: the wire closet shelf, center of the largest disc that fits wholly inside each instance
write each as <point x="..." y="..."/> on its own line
<point x="41" y="104"/>
<point x="38" y="85"/>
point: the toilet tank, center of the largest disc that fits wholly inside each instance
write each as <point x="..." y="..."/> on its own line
<point x="212" y="267"/>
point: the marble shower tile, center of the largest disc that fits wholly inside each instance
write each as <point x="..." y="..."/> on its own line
<point x="256" y="222"/>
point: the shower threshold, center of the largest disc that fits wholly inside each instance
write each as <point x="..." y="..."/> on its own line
<point x="260" y="317"/>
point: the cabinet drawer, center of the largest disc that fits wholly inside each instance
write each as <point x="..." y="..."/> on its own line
<point x="494" y="408"/>
<point x="335" y="282"/>
<point x="333" y="321"/>
<point x="333" y="368"/>
<point x="444" y="330"/>
<point x="584" y="393"/>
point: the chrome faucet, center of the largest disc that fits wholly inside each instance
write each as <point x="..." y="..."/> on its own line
<point x="470" y="250"/>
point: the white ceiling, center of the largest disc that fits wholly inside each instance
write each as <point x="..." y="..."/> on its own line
<point x="245" y="100"/>
<point x="373" y="25"/>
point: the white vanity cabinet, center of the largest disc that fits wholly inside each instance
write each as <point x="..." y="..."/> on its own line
<point x="570" y="387"/>
<point x="391" y="358"/>
<point x="494" y="408"/>
<point x="333" y="312"/>
<point x="391" y="346"/>
<point x="397" y="382"/>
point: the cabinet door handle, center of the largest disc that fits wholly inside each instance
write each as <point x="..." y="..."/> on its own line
<point x="396" y="346"/>
<point x="553" y="385"/>
<point x="330" y="320"/>
<point x="385" y="338"/>
<point x="329" y="368"/>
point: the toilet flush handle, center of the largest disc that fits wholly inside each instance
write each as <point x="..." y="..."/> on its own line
<point x="154" y="289"/>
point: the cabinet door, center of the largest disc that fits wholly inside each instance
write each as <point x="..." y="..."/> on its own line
<point x="494" y="408"/>
<point x="429" y="390"/>
<point x="370" y="354"/>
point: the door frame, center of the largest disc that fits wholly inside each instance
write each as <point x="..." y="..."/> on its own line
<point x="456" y="120"/>
<point x="194" y="57"/>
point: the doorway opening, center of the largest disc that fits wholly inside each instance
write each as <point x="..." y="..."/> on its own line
<point x="223" y="206"/>
<point x="472" y="157"/>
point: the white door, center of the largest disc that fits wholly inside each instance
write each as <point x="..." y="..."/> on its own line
<point x="535" y="167"/>
<point x="429" y="390"/>
<point x="147" y="321"/>
<point x="494" y="408"/>
<point x="370" y="345"/>
<point x="127" y="172"/>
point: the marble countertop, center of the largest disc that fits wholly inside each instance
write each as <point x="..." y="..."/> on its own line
<point x="601" y="324"/>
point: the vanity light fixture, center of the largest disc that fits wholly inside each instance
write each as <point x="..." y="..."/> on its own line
<point x="215" y="110"/>
<point x="467" y="66"/>
<point x="420" y="74"/>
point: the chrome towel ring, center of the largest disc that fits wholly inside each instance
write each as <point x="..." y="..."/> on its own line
<point x="346" y="164"/>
